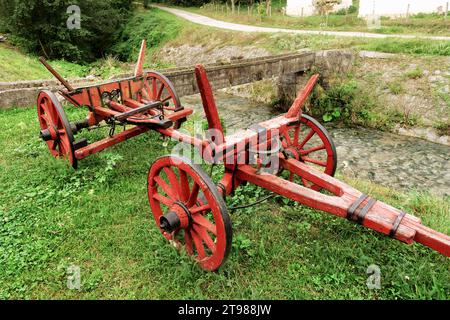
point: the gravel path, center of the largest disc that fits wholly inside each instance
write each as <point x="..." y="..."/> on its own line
<point x="199" y="19"/>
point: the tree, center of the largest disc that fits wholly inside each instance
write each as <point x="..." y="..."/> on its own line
<point x="324" y="7"/>
<point x="40" y="26"/>
<point x="269" y="7"/>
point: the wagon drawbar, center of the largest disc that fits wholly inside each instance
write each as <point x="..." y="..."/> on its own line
<point x="291" y="155"/>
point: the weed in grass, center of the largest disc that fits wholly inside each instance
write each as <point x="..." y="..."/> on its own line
<point x="443" y="127"/>
<point x="395" y="87"/>
<point x="414" y="73"/>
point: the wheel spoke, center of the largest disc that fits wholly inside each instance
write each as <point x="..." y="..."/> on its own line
<point x="53" y="113"/>
<point x="194" y="195"/>
<point x="205" y="237"/>
<point x="165" y="187"/>
<point x="173" y="181"/>
<point x="45" y="116"/>
<point x="296" y="134"/>
<point x="315" y="161"/>
<point x="48" y="112"/>
<point x="188" y="241"/>
<point x="166" y="99"/>
<point x="53" y="146"/>
<point x="198" y="245"/>
<point x="200" y="209"/>
<point x="202" y="221"/>
<point x="166" y="201"/>
<point x="160" y="91"/>
<point x="291" y="177"/>
<point x="154" y="89"/>
<point x="288" y="138"/>
<point x="308" y="151"/>
<point x="184" y="184"/>
<point x="307" y="138"/>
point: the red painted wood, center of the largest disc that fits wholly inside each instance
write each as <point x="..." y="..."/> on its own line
<point x="108" y="142"/>
<point x="294" y="111"/>
<point x="209" y="104"/>
<point x="207" y="231"/>
<point x="140" y="63"/>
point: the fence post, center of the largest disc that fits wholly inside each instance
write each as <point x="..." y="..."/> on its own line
<point x="446" y="11"/>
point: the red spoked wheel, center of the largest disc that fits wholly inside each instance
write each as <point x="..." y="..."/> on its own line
<point x="308" y="141"/>
<point x="189" y="210"/>
<point x="55" y="128"/>
<point x="158" y="88"/>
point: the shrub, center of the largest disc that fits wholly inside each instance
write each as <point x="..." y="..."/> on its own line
<point x="153" y="25"/>
<point x="344" y="101"/>
<point x="40" y="26"/>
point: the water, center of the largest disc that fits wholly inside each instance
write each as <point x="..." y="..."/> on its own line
<point x="384" y="158"/>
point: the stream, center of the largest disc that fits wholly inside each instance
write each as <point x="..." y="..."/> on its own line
<point x="384" y="158"/>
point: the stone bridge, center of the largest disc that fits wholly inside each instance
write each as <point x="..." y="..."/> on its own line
<point x="286" y="67"/>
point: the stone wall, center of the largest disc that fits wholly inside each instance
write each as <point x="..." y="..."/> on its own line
<point x="289" y="68"/>
<point x="221" y="75"/>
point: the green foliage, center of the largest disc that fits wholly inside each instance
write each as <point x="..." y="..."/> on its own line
<point x="409" y="46"/>
<point x="186" y="3"/>
<point x="41" y="26"/>
<point x="345" y="11"/>
<point x="153" y="25"/>
<point x="414" y="73"/>
<point x="395" y="87"/>
<point x="336" y="103"/>
<point x="18" y="66"/>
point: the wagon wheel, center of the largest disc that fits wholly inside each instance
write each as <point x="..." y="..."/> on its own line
<point x="55" y="128"/>
<point x="189" y="210"/>
<point x="158" y="88"/>
<point x="308" y="141"/>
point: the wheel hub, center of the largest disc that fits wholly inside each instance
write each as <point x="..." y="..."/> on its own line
<point x="178" y="217"/>
<point x="49" y="134"/>
<point x="293" y="153"/>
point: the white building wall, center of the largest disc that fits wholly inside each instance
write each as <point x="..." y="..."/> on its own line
<point x="399" y="7"/>
<point x="296" y="8"/>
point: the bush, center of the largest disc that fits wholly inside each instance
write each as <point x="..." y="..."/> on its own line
<point x="153" y="25"/>
<point x="343" y="101"/>
<point x="187" y="3"/>
<point x="40" y="26"/>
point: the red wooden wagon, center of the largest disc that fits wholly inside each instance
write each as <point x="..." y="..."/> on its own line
<point x="189" y="209"/>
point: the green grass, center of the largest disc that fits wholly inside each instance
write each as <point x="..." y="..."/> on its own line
<point x="160" y="28"/>
<point x="156" y="26"/>
<point x="192" y="34"/>
<point x="424" y="24"/>
<point x="19" y="66"/>
<point x="99" y="219"/>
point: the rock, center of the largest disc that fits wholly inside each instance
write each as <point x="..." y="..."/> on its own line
<point x="2" y="38"/>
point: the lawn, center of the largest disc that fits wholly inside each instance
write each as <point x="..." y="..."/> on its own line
<point x="98" y="218"/>
<point x="16" y="65"/>
<point x="154" y="25"/>
<point x="420" y="24"/>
